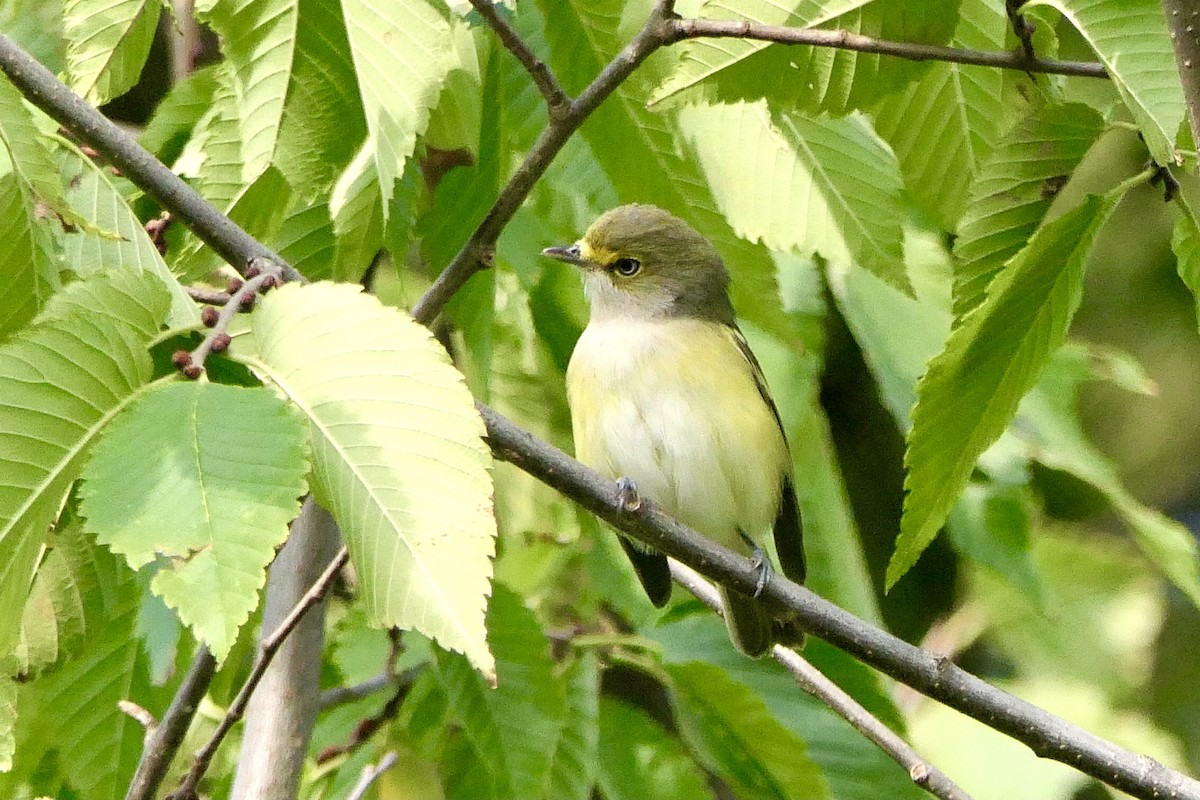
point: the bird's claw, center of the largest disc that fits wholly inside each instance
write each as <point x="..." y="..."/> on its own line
<point x="761" y="564"/>
<point x="627" y="495"/>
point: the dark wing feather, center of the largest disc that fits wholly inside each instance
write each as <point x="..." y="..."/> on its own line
<point x="652" y="570"/>
<point x="789" y="529"/>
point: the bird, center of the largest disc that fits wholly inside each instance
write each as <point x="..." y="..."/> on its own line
<point x="668" y="400"/>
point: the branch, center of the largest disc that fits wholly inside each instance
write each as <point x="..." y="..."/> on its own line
<point x="557" y="101"/>
<point x="371" y="774"/>
<point x="164" y="743"/>
<point x="815" y="683"/>
<point x="845" y="40"/>
<point x="1183" y="19"/>
<point x="479" y="249"/>
<point x="935" y="676"/>
<point x="74" y="113"/>
<point x="267" y="649"/>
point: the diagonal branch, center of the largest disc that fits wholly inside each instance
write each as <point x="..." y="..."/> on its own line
<point x="557" y="101"/>
<point x="811" y="680"/>
<point x="1183" y="20"/>
<point x="845" y="40"/>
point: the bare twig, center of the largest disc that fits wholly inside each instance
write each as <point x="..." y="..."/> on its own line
<point x="1021" y="28"/>
<point x="366" y="728"/>
<point x="371" y="774"/>
<point x="341" y="695"/>
<point x="168" y="736"/>
<point x="1183" y="20"/>
<point x="263" y="275"/>
<point x="815" y="683"/>
<point x="211" y="297"/>
<point x="845" y="40"/>
<point x="266" y="651"/>
<point x="557" y="101"/>
<point x="477" y="253"/>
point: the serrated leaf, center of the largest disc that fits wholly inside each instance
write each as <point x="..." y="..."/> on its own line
<point x="60" y="384"/>
<point x="1130" y="37"/>
<point x="87" y="253"/>
<point x="835" y="186"/>
<point x="357" y="216"/>
<point x="972" y="389"/>
<point x="401" y="53"/>
<point x="222" y="473"/>
<point x="179" y="112"/>
<point x="515" y="726"/>
<point x="942" y="126"/>
<point x="1013" y="191"/>
<point x="1185" y="243"/>
<point x="736" y="736"/>
<point x="139" y="301"/>
<point x="305" y="240"/>
<point x="258" y="39"/>
<point x="408" y="483"/>
<point x="641" y="761"/>
<point x="107" y="45"/>
<point x="73" y="712"/>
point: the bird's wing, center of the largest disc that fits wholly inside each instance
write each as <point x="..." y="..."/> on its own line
<point x="789" y="529"/>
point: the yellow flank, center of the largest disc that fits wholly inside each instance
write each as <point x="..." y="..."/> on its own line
<point x="672" y="404"/>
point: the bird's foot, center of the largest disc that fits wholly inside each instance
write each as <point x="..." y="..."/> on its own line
<point x="627" y="495"/>
<point x="761" y="564"/>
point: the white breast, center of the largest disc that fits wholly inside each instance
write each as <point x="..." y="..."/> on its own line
<point x="672" y="404"/>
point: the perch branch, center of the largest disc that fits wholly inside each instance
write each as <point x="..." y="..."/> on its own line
<point x="1183" y="20"/>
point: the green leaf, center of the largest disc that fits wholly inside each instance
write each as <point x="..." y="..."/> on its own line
<point x="87" y="253"/>
<point x="408" y="483"/>
<point x="1014" y="190"/>
<point x="61" y="383"/>
<point x="641" y="761"/>
<point x="1185" y="243"/>
<point x="8" y="718"/>
<point x="140" y="301"/>
<point x="306" y="241"/>
<point x="943" y="125"/>
<point x="401" y="53"/>
<point x="258" y="40"/>
<point x="576" y="757"/>
<point x="258" y="208"/>
<point x="834" y="186"/>
<point x="972" y="388"/>
<point x="74" y="711"/>
<point x="107" y="45"/>
<point x="1130" y="37"/>
<point x="178" y="113"/>
<point x="514" y="727"/>
<point x="357" y="216"/>
<point x="222" y="473"/>
<point x="27" y="268"/>
<point x="991" y="525"/>
<point x="1055" y="437"/>
<point x="213" y="155"/>
<point x="323" y="123"/>
<point x="736" y="736"/>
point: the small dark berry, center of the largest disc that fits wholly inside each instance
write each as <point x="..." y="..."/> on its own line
<point x="269" y="283"/>
<point x="220" y="342"/>
<point x="208" y="315"/>
<point x="193" y="371"/>
<point x="253" y="271"/>
<point x="248" y="302"/>
<point x="181" y="358"/>
<point x="233" y="285"/>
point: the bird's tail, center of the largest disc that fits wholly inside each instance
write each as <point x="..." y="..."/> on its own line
<point x="750" y="626"/>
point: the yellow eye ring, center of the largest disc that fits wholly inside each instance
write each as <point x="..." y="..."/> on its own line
<point x="627" y="267"/>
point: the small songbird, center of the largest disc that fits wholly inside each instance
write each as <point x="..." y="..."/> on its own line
<point x="667" y="398"/>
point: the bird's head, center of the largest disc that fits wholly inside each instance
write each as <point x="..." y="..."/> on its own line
<point x="640" y="262"/>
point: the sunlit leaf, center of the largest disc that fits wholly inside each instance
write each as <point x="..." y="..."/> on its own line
<point x="223" y="471"/>
<point x="107" y="45"/>
<point x="408" y="482"/>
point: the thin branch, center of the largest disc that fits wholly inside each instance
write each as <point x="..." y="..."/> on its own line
<point x="557" y="101"/>
<point x="935" y="676"/>
<point x="845" y="40"/>
<point x="263" y="275"/>
<point x="1021" y="28"/>
<point x="1183" y="20"/>
<point x="366" y="728"/>
<point x="371" y="774"/>
<point x="266" y="651"/>
<point x="167" y="738"/>
<point x="211" y="297"/>
<point x="74" y="113"/>
<point x="815" y="683"/>
<point x="341" y="695"/>
<point x="479" y="249"/>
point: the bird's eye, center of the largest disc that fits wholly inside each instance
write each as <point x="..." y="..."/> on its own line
<point x="627" y="267"/>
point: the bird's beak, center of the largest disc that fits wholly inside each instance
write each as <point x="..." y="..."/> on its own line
<point x="568" y="253"/>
